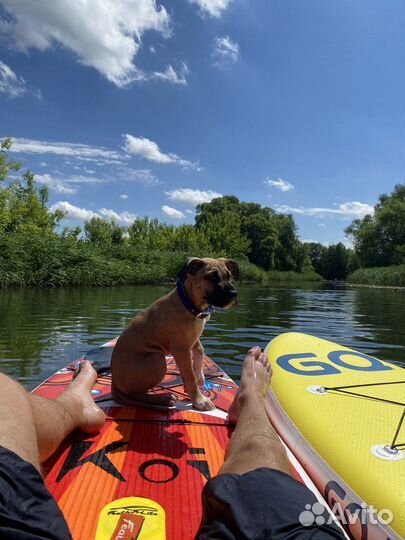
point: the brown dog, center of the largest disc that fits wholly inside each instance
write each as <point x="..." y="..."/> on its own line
<point x="173" y="324"/>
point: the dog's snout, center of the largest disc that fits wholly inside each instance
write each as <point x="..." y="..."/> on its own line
<point x="224" y="295"/>
<point x="226" y="286"/>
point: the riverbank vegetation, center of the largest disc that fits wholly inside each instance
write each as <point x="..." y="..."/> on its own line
<point x="36" y="251"/>
<point x="379" y="247"/>
<point x="392" y="276"/>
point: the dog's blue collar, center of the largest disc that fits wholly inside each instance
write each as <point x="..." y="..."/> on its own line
<point x="188" y="304"/>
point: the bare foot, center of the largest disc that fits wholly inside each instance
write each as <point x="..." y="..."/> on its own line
<point x="255" y="380"/>
<point x="77" y="401"/>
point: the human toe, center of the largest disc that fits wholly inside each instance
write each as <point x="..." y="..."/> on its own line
<point x="254" y="351"/>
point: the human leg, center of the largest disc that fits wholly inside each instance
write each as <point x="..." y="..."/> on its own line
<point x="254" y="442"/>
<point x="17" y="425"/>
<point x="30" y="429"/>
<point x="254" y="495"/>
<point x="74" y="409"/>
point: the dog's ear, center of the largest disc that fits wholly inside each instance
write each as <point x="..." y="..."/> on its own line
<point x="192" y="266"/>
<point x="233" y="267"/>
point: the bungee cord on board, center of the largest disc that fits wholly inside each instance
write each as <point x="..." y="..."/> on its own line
<point x="343" y="389"/>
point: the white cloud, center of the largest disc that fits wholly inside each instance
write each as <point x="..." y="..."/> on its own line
<point x="124" y="196"/>
<point x="83" y="214"/>
<point x="170" y="75"/>
<point x="310" y="241"/>
<point x="145" y="176"/>
<point x="62" y="184"/>
<point x="214" y="8"/>
<point x="54" y="184"/>
<point x="73" y="212"/>
<point x="81" y="179"/>
<point x="172" y="212"/>
<point x="147" y="149"/>
<point x="138" y="146"/>
<point x="74" y="150"/>
<point x="348" y="209"/>
<point x="123" y="218"/>
<point x="280" y="184"/>
<point x="225" y="50"/>
<point x="192" y="196"/>
<point x="103" y="35"/>
<point x="10" y="84"/>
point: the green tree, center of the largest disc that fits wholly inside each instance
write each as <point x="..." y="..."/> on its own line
<point x="315" y="252"/>
<point x="189" y="239"/>
<point x="259" y="225"/>
<point x="103" y="232"/>
<point x="220" y="222"/>
<point x="379" y="239"/>
<point x="147" y="233"/>
<point x="223" y="232"/>
<point x="288" y="254"/>
<point x="334" y="262"/>
<point x="241" y="229"/>
<point x="23" y="207"/>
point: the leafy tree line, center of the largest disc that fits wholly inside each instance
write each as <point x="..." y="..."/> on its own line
<point x="332" y="262"/>
<point x="250" y="230"/>
<point x="224" y="226"/>
<point x="378" y="240"/>
<point x="33" y="250"/>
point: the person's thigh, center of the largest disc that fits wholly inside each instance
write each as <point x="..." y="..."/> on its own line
<point x="27" y="510"/>
<point x="17" y="426"/>
<point x="264" y="504"/>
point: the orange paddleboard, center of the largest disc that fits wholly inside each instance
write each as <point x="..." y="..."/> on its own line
<point x="141" y="477"/>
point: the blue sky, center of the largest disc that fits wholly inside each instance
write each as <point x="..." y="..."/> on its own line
<point x="129" y="108"/>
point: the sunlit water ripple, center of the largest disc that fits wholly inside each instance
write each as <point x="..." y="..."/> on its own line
<point x="43" y="330"/>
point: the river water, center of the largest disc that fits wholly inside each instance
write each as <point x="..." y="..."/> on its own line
<point x="42" y="330"/>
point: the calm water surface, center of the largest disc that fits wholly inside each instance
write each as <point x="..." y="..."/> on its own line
<point x="42" y="330"/>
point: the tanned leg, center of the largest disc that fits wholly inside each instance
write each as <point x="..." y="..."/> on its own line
<point x="33" y="427"/>
<point x="55" y="419"/>
<point x="17" y="426"/>
<point x="254" y="443"/>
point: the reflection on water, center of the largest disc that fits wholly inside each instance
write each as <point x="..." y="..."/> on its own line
<point x="42" y="330"/>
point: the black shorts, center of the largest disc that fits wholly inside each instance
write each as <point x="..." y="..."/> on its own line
<point x="27" y="509"/>
<point x="264" y="504"/>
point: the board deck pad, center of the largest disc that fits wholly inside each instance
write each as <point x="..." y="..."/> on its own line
<point x="158" y="457"/>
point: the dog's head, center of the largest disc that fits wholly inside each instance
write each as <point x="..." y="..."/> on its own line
<point x="209" y="281"/>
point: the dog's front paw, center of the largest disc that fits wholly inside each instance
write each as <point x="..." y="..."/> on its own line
<point x="203" y="403"/>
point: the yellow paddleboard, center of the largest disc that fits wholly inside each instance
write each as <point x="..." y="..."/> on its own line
<point x="341" y="413"/>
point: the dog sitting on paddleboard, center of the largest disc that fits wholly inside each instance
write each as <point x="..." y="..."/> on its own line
<point x="172" y="325"/>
